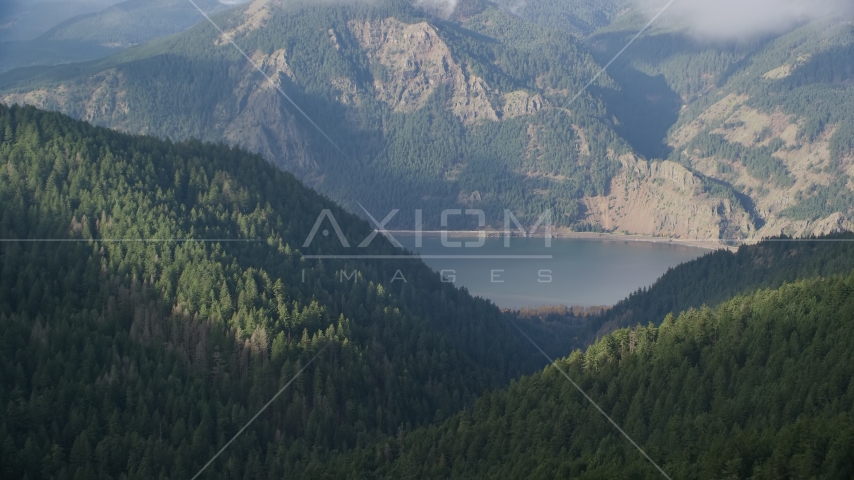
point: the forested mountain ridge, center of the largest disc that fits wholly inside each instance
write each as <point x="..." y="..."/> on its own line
<point x="475" y="111"/>
<point x="788" y="113"/>
<point x="716" y="277"/>
<point x="581" y="18"/>
<point x="172" y="300"/>
<point x="682" y="137"/>
<point x="758" y="388"/>
<point x="139" y="359"/>
<point x="707" y="281"/>
<point x="94" y="30"/>
<point x="27" y="20"/>
<point x="768" y="116"/>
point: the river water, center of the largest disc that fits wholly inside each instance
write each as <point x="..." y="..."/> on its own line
<point x="568" y="272"/>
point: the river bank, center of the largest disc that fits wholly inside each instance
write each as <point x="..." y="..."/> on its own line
<point x="707" y="244"/>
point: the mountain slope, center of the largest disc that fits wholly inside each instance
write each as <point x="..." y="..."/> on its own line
<point x="746" y="139"/>
<point x="767" y="117"/>
<point x="89" y="32"/>
<point x="28" y="20"/>
<point x="706" y="281"/>
<point x="472" y="112"/>
<point x="579" y="18"/>
<point x="716" y="277"/>
<point x="133" y="22"/>
<point x="177" y="300"/>
<point x="757" y="388"/>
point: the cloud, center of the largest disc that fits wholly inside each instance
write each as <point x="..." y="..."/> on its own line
<point x="516" y="6"/>
<point x="443" y="8"/>
<point x="741" y="19"/>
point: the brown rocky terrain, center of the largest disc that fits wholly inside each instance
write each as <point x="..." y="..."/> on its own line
<point x="805" y="161"/>
<point x="418" y="62"/>
<point x="665" y="199"/>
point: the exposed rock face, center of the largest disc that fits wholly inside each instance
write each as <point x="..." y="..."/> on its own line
<point x="665" y="199"/>
<point x="348" y="92"/>
<point x="255" y="116"/>
<point x="417" y="62"/>
<point x="255" y="16"/>
<point x="836" y="222"/>
<point x="100" y="99"/>
<point x="807" y="162"/>
<point x="521" y="103"/>
<point x="259" y="122"/>
<point x="410" y="63"/>
<point x="274" y="65"/>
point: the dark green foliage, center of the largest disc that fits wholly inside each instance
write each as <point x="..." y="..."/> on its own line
<point x="141" y="359"/>
<point x="718" y="276"/>
<point x="580" y="18"/>
<point x="823" y="201"/>
<point x="759" y="388"/>
<point x="192" y="85"/>
<point x="125" y="358"/>
<point x="759" y="161"/>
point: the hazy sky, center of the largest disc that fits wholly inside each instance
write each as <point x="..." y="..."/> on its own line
<point x="714" y="19"/>
<point x="31" y="2"/>
<point x="736" y="19"/>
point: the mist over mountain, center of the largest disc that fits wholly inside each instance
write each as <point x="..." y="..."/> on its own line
<point x="443" y="8"/>
<point x="744" y="19"/>
<point x="27" y="19"/>
<point x="51" y="33"/>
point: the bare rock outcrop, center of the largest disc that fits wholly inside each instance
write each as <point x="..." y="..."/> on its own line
<point x="100" y="99"/>
<point x="665" y="199"/>
<point x="836" y="222"/>
<point x="521" y="103"/>
<point x="416" y="62"/>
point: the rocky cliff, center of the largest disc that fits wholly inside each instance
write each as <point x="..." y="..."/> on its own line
<point x="666" y="199"/>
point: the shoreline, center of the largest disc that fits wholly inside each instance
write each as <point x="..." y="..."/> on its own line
<point x="711" y="244"/>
